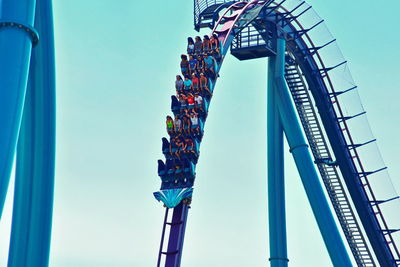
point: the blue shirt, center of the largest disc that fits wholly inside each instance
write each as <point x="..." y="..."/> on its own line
<point x="193" y="63"/>
<point x="209" y="61"/>
<point x="187" y="84"/>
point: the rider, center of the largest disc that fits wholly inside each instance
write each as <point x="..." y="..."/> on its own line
<point x="190" y="101"/>
<point x="170" y="125"/>
<point x="200" y="64"/>
<point x="186" y="125"/>
<point x="204" y="85"/>
<point x="190" y="46"/>
<point x="198" y="101"/>
<point x="183" y="101"/>
<point x="177" y="125"/>
<point x="194" y="119"/>
<point x="198" y="46"/>
<point x="209" y="66"/>
<point x="189" y="145"/>
<point x="195" y="83"/>
<point x="206" y="44"/>
<point x="179" y="84"/>
<point x="215" y="47"/>
<point x="187" y="85"/>
<point x="184" y="65"/>
<point x="192" y="64"/>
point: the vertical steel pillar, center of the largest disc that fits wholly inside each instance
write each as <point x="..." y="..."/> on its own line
<point x="305" y="165"/>
<point x="34" y="182"/>
<point x="15" y="54"/>
<point x="276" y="182"/>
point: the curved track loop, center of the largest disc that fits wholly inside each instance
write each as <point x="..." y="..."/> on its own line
<point x="305" y="60"/>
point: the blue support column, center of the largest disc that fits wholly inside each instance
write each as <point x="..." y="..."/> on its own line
<point x="177" y="236"/>
<point x="276" y="182"/>
<point x="15" y="54"/>
<point x="34" y="183"/>
<point x="305" y="166"/>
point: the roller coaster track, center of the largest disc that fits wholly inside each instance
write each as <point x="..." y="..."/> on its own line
<point x="325" y="126"/>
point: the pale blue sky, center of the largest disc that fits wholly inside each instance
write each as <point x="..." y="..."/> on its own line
<point x="116" y="63"/>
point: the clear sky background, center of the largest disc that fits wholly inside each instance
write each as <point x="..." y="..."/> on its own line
<point x="116" y="63"/>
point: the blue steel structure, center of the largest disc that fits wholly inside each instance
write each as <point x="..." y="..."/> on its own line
<point x="326" y="148"/>
<point x="319" y="135"/>
<point x="27" y="118"/>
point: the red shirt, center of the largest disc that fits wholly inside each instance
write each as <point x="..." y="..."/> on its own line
<point x="195" y="80"/>
<point x="190" y="100"/>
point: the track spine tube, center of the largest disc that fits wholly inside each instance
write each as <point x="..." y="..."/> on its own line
<point x="276" y="182"/>
<point x="34" y="182"/>
<point x="176" y="236"/>
<point x="305" y="166"/>
<point x="15" y="54"/>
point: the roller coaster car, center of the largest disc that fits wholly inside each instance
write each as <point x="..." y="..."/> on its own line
<point x="175" y="105"/>
<point x="206" y="106"/>
<point x="170" y="168"/>
<point x="211" y="84"/>
<point x="199" y="137"/>
<point x="188" y="169"/>
<point x="162" y="172"/>
<point x="165" y="145"/>
<point x="166" y="171"/>
<point x="201" y="125"/>
<point x="201" y="116"/>
<point x="196" y="147"/>
<point x="176" y="176"/>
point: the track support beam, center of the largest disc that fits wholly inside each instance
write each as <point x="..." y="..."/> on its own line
<point x="34" y="182"/>
<point x="15" y="54"/>
<point x="305" y="166"/>
<point x="276" y="182"/>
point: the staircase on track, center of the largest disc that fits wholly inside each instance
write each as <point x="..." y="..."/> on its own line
<point x="326" y="165"/>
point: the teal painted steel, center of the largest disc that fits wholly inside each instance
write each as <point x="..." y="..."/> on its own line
<point x="299" y="149"/>
<point x="276" y="182"/>
<point x="172" y="197"/>
<point x="15" y="53"/>
<point x="34" y="185"/>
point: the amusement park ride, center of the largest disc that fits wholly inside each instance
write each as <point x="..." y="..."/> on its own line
<point x="310" y="100"/>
